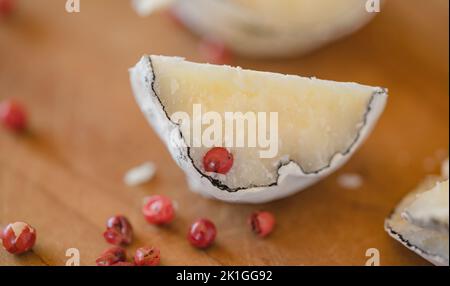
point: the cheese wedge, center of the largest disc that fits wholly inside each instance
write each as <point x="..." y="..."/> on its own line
<point x="319" y="124"/>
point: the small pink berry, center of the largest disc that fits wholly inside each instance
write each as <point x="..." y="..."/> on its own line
<point x="202" y="233"/>
<point x="147" y="256"/>
<point x="215" y="52"/>
<point x="13" y="115"/>
<point x="118" y="230"/>
<point x="158" y="210"/>
<point x="262" y="223"/>
<point x="6" y="7"/>
<point x="111" y="256"/>
<point x="18" y="237"/>
<point x="218" y="160"/>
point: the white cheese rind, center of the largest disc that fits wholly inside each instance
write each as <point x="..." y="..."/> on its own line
<point x="430" y="209"/>
<point x="433" y="245"/>
<point x="291" y="178"/>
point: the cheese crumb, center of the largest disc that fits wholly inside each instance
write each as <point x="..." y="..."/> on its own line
<point x="140" y="174"/>
<point x="350" y="181"/>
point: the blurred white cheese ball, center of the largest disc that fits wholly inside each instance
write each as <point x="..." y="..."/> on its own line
<point x="270" y="28"/>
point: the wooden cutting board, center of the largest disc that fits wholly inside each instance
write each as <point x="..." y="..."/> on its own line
<point x="65" y="176"/>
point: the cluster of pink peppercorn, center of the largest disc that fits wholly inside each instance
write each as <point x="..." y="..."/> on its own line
<point x="159" y="210"/>
<point x="20" y="237"/>
<point x="120" y="233"/>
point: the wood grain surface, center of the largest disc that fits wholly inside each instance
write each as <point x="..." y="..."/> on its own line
<point x="65" y="177"/>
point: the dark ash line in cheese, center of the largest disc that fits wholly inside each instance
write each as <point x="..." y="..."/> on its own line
<point x="409" y="245"/>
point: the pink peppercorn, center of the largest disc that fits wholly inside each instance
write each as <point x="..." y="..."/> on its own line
<point x="215" y="52"/>
<point x="18" y="237"/>
<point x="13" y="115"/>
<point x="118" y="230"/>
<point x="147" y="256"/>
<point x="262" y="223"/>
<point x="202" y="233"/>
<point x="218" y="160"/>
<point x="6" y="7"/>
<point x="111" y="256"/>
<point x="158" y="210"/>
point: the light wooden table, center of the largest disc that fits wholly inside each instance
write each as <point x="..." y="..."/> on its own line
<point x="65" y="177"/>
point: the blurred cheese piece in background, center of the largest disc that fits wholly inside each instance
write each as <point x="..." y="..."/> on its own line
<point x="267" y="28"/>
<point x="146" y="7"/>
<point x="420" y="221"/>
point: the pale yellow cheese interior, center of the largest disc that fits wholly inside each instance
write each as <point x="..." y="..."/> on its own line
<point x="316" y="118"/>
